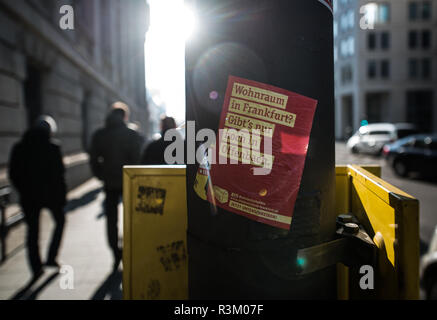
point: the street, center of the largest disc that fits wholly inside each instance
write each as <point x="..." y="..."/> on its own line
<point x="424" y="191"/>
<point x="84" y="255"/>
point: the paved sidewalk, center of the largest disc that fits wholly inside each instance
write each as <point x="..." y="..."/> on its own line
<point x="84" y="248"/>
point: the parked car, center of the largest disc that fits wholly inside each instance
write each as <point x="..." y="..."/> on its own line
<point x="416" y="153"/>
<point x="371" y="138"/>
<point x="428" y="269"/>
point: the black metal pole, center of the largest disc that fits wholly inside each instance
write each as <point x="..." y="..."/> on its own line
<point x="287" y="44"/>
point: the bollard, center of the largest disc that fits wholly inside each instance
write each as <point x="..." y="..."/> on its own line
<point x="289" y="45"/>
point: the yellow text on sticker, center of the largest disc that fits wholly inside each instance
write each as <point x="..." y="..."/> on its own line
<point x="262" y="112"/>
<point x="240" y="122"/>
<point x="259" y="95"/>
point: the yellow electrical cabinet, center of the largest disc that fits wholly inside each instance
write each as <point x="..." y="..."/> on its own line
<point x="155" y="258"/>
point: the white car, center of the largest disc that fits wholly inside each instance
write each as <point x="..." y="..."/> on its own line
<point x="372" y="138"/>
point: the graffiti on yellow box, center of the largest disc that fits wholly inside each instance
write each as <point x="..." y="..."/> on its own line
<point x="173" y="255"/>
<point x="150" y="200"/>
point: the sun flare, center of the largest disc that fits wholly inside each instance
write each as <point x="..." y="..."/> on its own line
<point x="165" y="52"/>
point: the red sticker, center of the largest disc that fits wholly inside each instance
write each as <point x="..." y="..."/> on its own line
<point x="260" y="152"/>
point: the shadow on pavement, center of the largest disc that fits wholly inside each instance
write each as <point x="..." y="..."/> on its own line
<point x="83" y="200"/>
<point x="110" y="288"/>
<point x="27" y="293"/>
<point x="101" y="215"/>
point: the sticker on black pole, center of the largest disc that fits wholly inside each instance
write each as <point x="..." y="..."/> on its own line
<point x="255" y="167"/>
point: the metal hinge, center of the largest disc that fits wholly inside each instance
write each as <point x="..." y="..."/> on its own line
<point x="352" y="247"/>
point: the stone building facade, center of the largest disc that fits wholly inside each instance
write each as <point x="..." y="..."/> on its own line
<point x="72" y="75"/>
<point x="385" y="63"/>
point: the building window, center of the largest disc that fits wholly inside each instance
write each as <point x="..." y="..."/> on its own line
<point x="412" y="11"/>
<point x="377" y="13"/>
<point x="374" y="112"/>
<point x="377" y="106"/>
<point x="385" y="40"/>
<point x="371" y="41"/>
<point x="419" y="10"/>
<point x="347" y="20"/>
<point x="346" y="74"/>
<point x="351" y="44"/>
<point x="371" y="69"/>
<point x="347" y="47"/>
<point x="412" y="68"/>
<point x="384" y="13"/>
<point x="419" y="68"/>
<point x="385" y="69"/>
<point x="412" y="39"/>
<point x="343" y="22"/>
<point x="426" y="68"/>
<point x="420" y="107"/>
<point x="343" y="48"/>
<point x="426" y="10"/>
<point x="426" y="39"/>
<point x="351" y="19"/>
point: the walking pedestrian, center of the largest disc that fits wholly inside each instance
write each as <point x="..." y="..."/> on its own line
<point x="112" y="147"/>
<point x="37" y="172"/>
<point x="154" y="153"/>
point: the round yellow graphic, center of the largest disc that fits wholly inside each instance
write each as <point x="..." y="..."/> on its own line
<point x="263" y="192"/>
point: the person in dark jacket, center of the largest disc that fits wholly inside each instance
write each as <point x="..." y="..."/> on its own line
<point x="37" y="172"/>
<point x="154" y="153"/>
<point x="112" y="147"/>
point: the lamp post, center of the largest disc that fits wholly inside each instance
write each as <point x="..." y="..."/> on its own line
<point x="287" y="44"/>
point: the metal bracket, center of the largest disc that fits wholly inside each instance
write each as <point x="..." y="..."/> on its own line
<point x="353" y="247"/>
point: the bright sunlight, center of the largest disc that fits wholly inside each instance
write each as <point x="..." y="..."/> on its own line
<point x="165" y="57"/>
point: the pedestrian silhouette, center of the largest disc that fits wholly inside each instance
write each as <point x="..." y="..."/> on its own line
<point x="136" y="126"/>
<point x="154" y="153"/>
<point x="112" y="147"/>
<point x="37" y="172"/>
